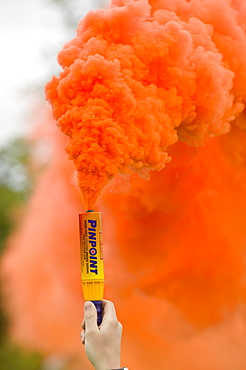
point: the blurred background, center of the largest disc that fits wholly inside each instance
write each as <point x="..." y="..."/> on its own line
<point x="32" y="33"/>
<point x="174" y="245"/>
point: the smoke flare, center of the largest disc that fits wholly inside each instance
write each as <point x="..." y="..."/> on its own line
<point x="142" y="75"/>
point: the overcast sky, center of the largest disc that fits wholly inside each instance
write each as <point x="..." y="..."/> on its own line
<point x="29" y="30"/>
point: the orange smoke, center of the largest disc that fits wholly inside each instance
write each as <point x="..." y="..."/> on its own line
<point x="142" y="75"/>
<point x="186" y="229"/>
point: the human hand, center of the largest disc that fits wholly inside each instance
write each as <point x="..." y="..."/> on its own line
<point x="102" y="344"/>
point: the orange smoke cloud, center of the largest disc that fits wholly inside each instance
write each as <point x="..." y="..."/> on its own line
<point x="142" y="75"/>
<point x="186" y="229"/>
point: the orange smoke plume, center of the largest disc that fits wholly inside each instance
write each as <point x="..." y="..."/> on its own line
<point x="142" y="75"/>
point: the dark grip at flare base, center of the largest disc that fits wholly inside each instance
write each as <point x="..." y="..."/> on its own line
<point x="99" y="308"/>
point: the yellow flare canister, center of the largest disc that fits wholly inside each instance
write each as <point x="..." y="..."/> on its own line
<point x="91" y="255"/>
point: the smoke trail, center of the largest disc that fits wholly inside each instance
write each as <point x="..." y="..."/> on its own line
<point x="142" y="75"/>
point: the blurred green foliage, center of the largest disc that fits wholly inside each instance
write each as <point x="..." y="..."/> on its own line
<point x="14" y="358"/>
<point x="16" y="183"/>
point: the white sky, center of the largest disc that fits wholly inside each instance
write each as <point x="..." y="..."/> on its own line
<point x="29" y="29"/>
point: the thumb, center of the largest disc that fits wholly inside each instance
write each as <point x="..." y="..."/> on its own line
<point x="90" y="317"/>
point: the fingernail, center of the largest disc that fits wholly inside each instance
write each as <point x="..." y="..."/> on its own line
<point x="87" y="305"/>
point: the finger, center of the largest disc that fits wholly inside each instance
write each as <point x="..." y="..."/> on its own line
<point x="82" y="336"/>
<point x="109" y="312"/>
<point x="90" y="317"/>
<point x="83" y="324"/>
